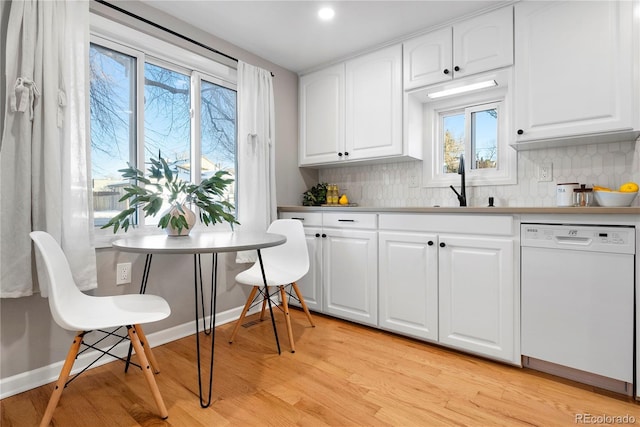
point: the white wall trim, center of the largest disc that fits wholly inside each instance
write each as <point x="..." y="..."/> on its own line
<point x="31" y="379"/>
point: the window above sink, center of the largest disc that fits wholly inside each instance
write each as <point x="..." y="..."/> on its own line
<point x="472" y="123"/>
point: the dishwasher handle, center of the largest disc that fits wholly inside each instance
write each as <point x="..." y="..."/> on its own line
<point x="573" y="240"/>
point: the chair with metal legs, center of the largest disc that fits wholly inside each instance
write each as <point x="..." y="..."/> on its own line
<point x="73" y="310"/>
<point x="283" y="265"/>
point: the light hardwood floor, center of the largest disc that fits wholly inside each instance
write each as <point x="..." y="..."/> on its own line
<point x="342" y="374"/>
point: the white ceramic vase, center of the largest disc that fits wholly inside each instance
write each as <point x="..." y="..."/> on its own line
<point x="189" y="215"/>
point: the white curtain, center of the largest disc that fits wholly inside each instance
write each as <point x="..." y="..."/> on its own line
<point x="256" y="152"/>
<point x="44" y="179"/>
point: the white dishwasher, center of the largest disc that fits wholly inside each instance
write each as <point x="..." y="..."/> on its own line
<point x="578" y="302"/>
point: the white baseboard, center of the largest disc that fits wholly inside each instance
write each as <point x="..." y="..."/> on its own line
<point x="31" y="379"/>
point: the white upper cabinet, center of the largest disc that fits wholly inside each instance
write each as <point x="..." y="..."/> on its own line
<point x="353" y="111"/>
<point x="374" y="104"/>
<point x="469" y="47"/>
<point x="574" y="73"/>
<point x="428" y="59"/>
<point x="322" y="116"/>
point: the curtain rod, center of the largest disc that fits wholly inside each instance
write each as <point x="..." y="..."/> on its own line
<point x="168" y="30"/>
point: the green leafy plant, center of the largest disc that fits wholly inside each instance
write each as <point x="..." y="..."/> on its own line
<point x="316" y="195"/>
<point x="163" y="183"/>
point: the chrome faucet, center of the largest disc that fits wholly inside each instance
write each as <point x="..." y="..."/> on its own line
<point x="462" y="196"/>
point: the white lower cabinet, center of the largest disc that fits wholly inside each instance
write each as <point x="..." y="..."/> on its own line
<point x="442" y="281"/>
<point x="476" y="294"/>
<point x="408" y="285"/>
<point x="350" y="267"/>
<point x="311" y="285"/>
<point x="444" y="278"/>
<point x="343" y="273"/>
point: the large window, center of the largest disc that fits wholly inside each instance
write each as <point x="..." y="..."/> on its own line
<point x="143" y="104"/>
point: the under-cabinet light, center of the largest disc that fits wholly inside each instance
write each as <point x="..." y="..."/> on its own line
<point x="463" y="89"/>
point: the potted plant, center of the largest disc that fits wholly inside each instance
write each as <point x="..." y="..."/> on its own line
<point x="164" y="184"/>
<point x="316" y="195"/>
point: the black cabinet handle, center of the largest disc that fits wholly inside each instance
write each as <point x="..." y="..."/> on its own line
<point x="300" y="219"/>
<point x="442" y="245"/>
<point x="346" y="220"/>
<point x="324" y="235"/>
<point x="456" y="68"/>
<point x="446" y="71"/>
<point x="430" y="243"/>
<point x="520" y="131"/>
<point x="346" y="153"/>
<point x="339" y="154"/>
<point x="317" y="234"/>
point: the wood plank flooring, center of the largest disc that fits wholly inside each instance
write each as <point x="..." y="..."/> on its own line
<point x="342" y="374"/>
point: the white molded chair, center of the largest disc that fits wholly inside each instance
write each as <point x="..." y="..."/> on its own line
<point x="76" y="311"/>
<point x="283" y="265"/>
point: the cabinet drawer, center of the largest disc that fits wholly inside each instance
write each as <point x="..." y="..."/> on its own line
<point x="308" y="219"/>
<point x="451" y="223"/>
<point x="349" y="220"/>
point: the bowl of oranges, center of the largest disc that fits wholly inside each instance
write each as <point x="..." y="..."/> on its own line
<point x="616" y="198"/>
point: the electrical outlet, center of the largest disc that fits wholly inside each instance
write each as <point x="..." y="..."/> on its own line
<point x="123" y="273"/>
<point x="413" y="181"/>
<point x="545" y="172"/>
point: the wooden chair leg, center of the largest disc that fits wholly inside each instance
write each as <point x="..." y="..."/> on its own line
<point x="264" y="306"/>
<point x="62" y="379"/>
<point x="285" y="307"/>
<point x="146" y="369"/>
<point x="302" y="303"/>
<point x="252" y="295"/>
<point x="147" y="350"/>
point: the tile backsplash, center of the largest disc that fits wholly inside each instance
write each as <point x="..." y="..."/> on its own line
<point x="389" y="184"/>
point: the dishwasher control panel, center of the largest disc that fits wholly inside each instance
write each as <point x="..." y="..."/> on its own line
<point x="620" y="239"/>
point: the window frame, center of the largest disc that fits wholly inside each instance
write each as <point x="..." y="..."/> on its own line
<point x="149" y="49"/>
<point x="433" y="111"/>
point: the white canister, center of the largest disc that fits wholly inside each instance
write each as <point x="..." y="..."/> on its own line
<point x="564" y="193"/>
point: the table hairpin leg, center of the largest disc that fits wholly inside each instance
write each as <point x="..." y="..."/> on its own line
<point x="266" y="292"/>
<point x="143" y="289"/>
<point x="214" y="281"/>
<point x="197" y="274"/>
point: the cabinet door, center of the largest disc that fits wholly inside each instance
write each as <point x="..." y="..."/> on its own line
<point x="322" y="116"/>
<point x="351" y="274"/>
<point x="427" y="59"/>
<point x="477" y="295"/>
<point x="574" y="73"/>
<point x="483" y="43"/>
<point x="311" y="284"/>
<point x="374" y="105"/>
<point x="408" y="283"/>
<point x="473" y="46"/>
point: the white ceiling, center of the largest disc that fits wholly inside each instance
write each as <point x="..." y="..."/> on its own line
<point x="289" y="34"/>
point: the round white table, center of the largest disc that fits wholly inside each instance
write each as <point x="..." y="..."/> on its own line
<point x="198" y="243"/>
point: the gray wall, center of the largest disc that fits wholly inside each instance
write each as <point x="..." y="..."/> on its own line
<point x="29" y="339"/>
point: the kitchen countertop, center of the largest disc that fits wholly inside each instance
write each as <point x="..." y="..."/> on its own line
<point x="592" y="210"/>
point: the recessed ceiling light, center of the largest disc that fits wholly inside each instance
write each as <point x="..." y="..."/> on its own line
<point x="326" y="13"/>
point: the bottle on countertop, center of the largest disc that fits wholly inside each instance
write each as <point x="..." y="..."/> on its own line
<point x="582" y="196"/>
<point x="332" y="194"/>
